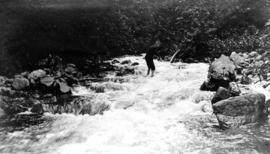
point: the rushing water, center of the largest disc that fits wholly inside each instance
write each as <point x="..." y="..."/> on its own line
<point x="166" y="114"/>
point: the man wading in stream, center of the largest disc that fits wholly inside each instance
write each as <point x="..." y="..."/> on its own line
<point x="150" y="56"/>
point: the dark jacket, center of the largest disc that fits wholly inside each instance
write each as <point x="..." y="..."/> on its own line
<point x="153" y="51"/>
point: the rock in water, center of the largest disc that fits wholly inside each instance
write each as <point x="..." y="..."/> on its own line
<point x="222" y="68"/>
<point x="64" y="88"/>
<point x="221" y="94"/>
<point x="126" y="62"/>
<point x="221" y="73"/>
<point x="241" y="110"/>
<point x="71" y="69"/>
<point x="115" y="61"/>
<point x="37" y="107"/>
<point x="79" y="105"/>
<point x="245" y="80"/>
<point x="20" y="83"/>
<point x="86" y="105"/>
<point x="213" y="84"/>
<point x="135" y="64"/>
<point x="234" y="89"/>
<point x="33" y="76"/>
<point x="125" y="71"/>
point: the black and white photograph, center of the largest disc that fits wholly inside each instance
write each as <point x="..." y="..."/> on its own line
<point x="134" y="76"/>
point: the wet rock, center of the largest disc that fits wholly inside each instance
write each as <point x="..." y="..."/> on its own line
<point x="234" y="89"/>
<point x="35" y="75"/>
<point x="88" y="106"/>
<point x="71" y="79"/>
<point x="63" y="87"/>
<point x="7" y="91"/>
<point x="213" y="84"/>
<point x="49" y="99"/>
<point x="12" y="106"/>
<point x="125" y="71"/>
<point x="9" y="81"/>
<point x="124" y="62"/>
<point x="98" y="88"/>
<point x="206" y="106"/>
<point x="135" y="64"/>
<point x="259" y="57"/>
<point x="47" y="81"/>
<point x="245" y="80"/>
<point x="245" y="55"/>
<point x="221" y="73"/>
<point x="239" y="61"/>
<point x="253" y="54"/>
<point x="24" y="74"/>
<point x="222" y="68"/>
<point x="20" y="83"/>
<point x="26" y="119"/>
<point x="241" y="110"/>
<point x="71" y="69"/>
<point x="37" y="107"/>
<point x="115" y="61"/>
<point x="79" y="105"/>
<point x="221" y="94"/>
<point x="206" y="86"/>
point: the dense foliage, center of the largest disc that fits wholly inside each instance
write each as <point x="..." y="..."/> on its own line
<point x="200" y="29"/>
<point x="205" y="28"/>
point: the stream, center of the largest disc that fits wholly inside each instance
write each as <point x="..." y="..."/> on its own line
<point x="165" y="114"/>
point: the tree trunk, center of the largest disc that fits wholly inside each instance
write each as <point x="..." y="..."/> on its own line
<point x="174" y="55"/>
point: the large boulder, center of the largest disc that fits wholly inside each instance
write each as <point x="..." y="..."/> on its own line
<point x="221" y="73"/>
<point x="20" y="83"/>
<point x="239" y="61"/>
<point x="241" y="110"/>
<point x="222" y="68"/>
<point x="35" y="75"/>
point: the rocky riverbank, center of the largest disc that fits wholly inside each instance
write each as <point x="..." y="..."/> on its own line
<point x="52" y="89"/>
<point x="234" y="102"/>
<point x="163" y="114"/>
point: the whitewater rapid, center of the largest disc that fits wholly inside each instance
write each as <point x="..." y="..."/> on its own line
<point x="165" y="114"/>
<point x="145" y="115"/>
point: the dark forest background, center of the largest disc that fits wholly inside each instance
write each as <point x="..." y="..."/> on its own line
<point x="97" y="30"/>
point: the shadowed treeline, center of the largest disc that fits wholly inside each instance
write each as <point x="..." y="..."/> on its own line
<point x="30" y="30"/>
<point x="76" y="30"/>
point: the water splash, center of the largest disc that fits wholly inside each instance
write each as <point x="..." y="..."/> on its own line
<point x="165" y="114"/>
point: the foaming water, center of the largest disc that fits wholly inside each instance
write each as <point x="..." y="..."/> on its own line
<point x="166" y="114"/>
